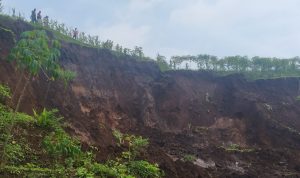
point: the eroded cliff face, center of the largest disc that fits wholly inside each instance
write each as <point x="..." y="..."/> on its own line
<point x="182" y="112"/>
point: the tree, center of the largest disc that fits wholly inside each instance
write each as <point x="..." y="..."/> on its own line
<point x="127" y="51"/>
<point x="138" y="51"/>
<point x="214" y="62"/>
<point x="206" y="60"/>
<point x="36" y="53"/>
<point x="97" y="41"/>
<point x="162" y="63"/>
<point x="108" y="44"/>
<point x="200" y="62"/>
<point x="119" y="48"/>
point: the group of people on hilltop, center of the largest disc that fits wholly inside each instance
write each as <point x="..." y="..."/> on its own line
<point x="37" y="18"/>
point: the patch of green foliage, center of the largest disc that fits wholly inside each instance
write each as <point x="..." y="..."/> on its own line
<point x="6" y="118"/>
<point x="84" y="173"/>
<point x="65" y="157"/>
<point x="4" y="93"/>
<point x="162" y="63"/>
<point x="14" y="152"/>
<point x="298" y="98"/>
<point x="38" y="146"/>
<point x="59" y="144"/>
<point x="189" y="158"/>
<point x="237" y="148"/>
<point x="47" y="119"/>
<point x="128" y="162"/>
<point x="144" y="169"/>
<point x="35" y="52"/>
<point x="32" y="170"/>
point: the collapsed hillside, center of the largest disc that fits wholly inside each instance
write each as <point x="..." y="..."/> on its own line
<point x="222" y="126"/>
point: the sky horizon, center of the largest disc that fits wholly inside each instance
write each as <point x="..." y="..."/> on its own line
<point x="266" y="28"/>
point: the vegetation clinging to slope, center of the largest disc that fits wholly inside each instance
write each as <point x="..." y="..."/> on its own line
<point x="33" y="54"/>
<point x="38" y="146"/>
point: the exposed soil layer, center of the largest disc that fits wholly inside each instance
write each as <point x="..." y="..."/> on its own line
<point x="234" y="127"/>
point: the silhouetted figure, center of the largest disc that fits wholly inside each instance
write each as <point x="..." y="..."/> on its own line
<point x="75" y="33"/>
<point x="14" y="12"/>
<point x="33" y="16"/>
<point x="46" y="21"/>
<point x="39" y="17"/>
<point x="186" y="66"/>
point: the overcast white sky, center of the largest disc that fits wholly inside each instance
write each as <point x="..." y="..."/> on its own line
<point x="179" y="27"/>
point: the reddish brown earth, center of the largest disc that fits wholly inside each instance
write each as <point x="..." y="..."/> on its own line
<point x="181" y="112"/>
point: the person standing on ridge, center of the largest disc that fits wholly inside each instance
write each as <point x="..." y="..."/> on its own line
<point x="39" y="17"/>
<point x="33" y="16"/>
<point x="14" y="12"/>
<point x="75" y="34"/>
<point x="46" y="21"/>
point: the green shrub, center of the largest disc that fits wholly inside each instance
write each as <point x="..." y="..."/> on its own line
<point x="119" y="169"/>
<point x="127" y="164"/>
<point x="145" y="169"/>
<point x="162" y="63"/>
<point x="59" y="144"/>
<point x="189" y="158"/>
<point x="47" y="119"/>
<point x="233" y="147"/>
<point x="5" y="116"/>
<point x="103" y="170"/>
<point x="4" y="93"/>
<point x="82" y="172"/>
<point x="136" y="144"/>
<point x="22" y="118"/>
<point x="119" y="136"/>
<point x="14" y="152"/>
<point x="32" y="170"/>
<point x="64" y="155"/>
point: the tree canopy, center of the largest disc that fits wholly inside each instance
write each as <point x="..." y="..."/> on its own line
<point x="257" y="67"/>
<point x="36" y="53"/>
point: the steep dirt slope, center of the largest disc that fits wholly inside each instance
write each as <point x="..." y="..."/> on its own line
<point x="235" y="128"/>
